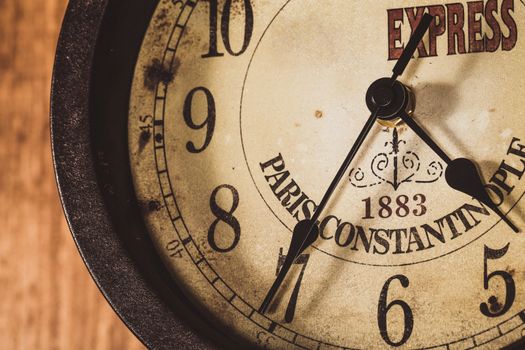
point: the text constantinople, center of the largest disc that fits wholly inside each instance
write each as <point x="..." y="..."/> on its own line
<point x="405" y="240"/>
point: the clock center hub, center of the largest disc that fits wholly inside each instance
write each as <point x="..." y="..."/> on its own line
<point x="390" y="99"/>
<point x="383" y="96"/>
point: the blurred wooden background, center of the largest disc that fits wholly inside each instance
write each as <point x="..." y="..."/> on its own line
<point x="47" y="298"/>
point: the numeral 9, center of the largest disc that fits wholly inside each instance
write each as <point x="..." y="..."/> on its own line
<point x="208" y="123"/>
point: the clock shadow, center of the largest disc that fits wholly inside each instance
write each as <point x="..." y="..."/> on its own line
<point x="331" y="276"/>
<point x="283" y="296"/>
<point x="431" y="115"/>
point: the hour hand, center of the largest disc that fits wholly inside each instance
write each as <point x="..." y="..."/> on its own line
<point x="425" y="137"/>
<point x="461" y="174"/>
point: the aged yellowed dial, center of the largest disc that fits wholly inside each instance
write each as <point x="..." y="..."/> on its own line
<point x="241" y="113"/>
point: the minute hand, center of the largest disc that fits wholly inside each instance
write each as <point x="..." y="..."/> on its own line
<point x="461" y="173"/>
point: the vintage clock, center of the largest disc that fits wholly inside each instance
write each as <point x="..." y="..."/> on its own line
<point x="298" y="174"/>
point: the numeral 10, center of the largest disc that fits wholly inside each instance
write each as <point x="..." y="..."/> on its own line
<point x="225" y="28"/>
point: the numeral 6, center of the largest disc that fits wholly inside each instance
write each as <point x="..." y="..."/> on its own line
<point x="383" y="309"/>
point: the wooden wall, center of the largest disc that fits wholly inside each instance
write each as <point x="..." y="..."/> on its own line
<point x="47" y="298"/>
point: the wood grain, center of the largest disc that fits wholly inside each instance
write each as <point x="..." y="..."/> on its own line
<point x="47" y="298"/>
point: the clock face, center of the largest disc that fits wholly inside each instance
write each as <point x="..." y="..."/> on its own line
<point x="241" y="113"/>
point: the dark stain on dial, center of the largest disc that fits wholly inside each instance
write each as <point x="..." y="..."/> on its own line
<point x="154" y="206"/>
<point x="161" y="20"/>
<point x="149" y="206"/>
<point x="237" y="8"/>
<point x="162" y="24"/>
<point x="193" y="38"/>
<point x="494" y="304"/>
<point x="145" y="137"/>
<point x="156" y="73"/>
